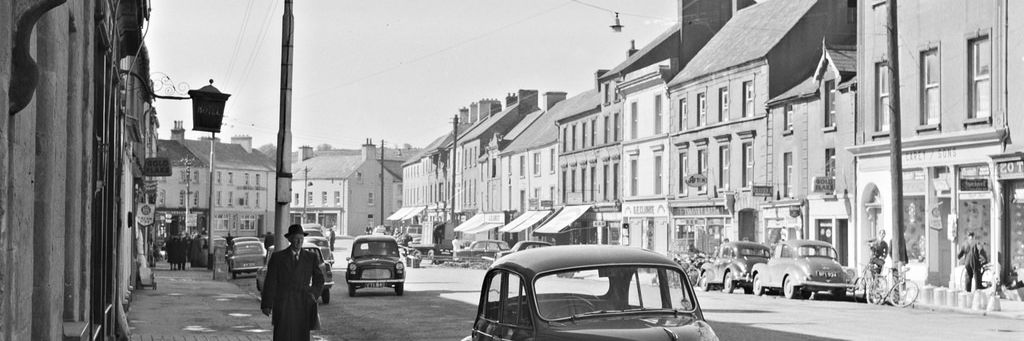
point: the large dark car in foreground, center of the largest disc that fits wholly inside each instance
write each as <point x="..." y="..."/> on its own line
<point x="245" y="257"/>
<point x="730" y="266"/>
<point x="375" y="262"/>
<point x="802" y="267"/>
<point x="325" y="296"/>
<point x="587" y="292"/>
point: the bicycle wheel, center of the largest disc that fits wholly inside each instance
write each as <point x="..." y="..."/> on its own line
<point x="904" y="293"/>
<point x="876" y="290"/>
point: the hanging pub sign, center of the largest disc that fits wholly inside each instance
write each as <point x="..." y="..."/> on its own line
<point x="156" y="166"/>
<point x="761" y="191"/>
<point x="144" y="215"/>
<point x="696" y="180"/>
<point x="207" y="108"/>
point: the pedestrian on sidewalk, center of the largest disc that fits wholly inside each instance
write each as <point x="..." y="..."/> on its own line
<point x="332" y="236"/>
<point x="973" y="257"/>
<point x="294" y="282"/>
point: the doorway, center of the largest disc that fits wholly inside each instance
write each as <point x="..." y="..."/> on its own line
<point x="748" y="225"/>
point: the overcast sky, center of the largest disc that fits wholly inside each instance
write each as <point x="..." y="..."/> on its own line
<point x="385" y="69"/>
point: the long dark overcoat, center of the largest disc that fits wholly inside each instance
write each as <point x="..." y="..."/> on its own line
<point x="290" y="290"/>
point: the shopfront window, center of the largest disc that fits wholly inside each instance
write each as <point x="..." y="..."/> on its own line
<point x="974" y="208"/>
<point x="1016" y="232"/>
<point x="914" y="184"/>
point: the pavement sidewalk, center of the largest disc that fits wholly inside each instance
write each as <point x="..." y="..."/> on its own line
<point x="190" y="305"/>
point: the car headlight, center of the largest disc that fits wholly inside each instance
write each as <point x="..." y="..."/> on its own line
<point x="351" y="267"/>
<point x="399" y="266"/>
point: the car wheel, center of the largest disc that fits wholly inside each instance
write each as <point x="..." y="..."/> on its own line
<point x="399" y="289"/>
<point x="758" y="288"/>
<point x="789" y="290"/>
<point x="325" y="296"/>
<point x="351" y="290"/>
<point x="703" y="282"/>
<point x="748" y="290"/>
<point x="727" y="282"/>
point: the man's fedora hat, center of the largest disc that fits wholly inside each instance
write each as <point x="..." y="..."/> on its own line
<point x="296" y="228"/>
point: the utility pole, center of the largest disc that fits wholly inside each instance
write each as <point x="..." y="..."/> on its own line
<point x="381" y="182"/>
<point x="899" y="245"/>
<point x="284" y="133"/>
<point x="454" y="166"/>
<point x="210" y="220"/>
<point x="305" y="192"/>
<point x="188" y="189"/>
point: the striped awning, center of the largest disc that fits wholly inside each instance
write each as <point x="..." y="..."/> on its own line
<point x="525" y="221"/>
<point x="566" y="217"/>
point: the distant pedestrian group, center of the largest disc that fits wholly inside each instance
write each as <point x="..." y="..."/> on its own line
<point x="177" y="251"/>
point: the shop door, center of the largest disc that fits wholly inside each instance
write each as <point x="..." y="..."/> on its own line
<point x="748" y="225"/>
<point x="842" y="241"/>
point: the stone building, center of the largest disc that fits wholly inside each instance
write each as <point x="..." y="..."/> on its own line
<point x="719" y="134"/>
<point x="961" y="131"/>
<point x="79" y="124"/>
<point x="810" y="127"/>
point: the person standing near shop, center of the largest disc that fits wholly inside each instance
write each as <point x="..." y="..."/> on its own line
<point x="294" y="282"/>
<point x="332" y="236"/>
<point x="973" y="257"/>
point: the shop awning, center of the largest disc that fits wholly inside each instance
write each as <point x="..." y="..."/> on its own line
<point x="524" y="221"/>
<point x="471" y="223"/>
<point x="564" y="218"/>
<point x="413" y="211"/>
<point x="400" y="213"/>
<point x="484" y="227"/>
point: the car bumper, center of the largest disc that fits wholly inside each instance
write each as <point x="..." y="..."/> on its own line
<point x="246" y="269"/>
<point x="364" y="281"/>
<point x="823" y="285"/>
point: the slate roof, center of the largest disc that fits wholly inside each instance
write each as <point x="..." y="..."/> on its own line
<point x="176" y="152"/>
<point x="666" y="41"/>
<point x="543" y="131"/>
<point x="439" y="142"/>
<point x="326" y="166"/>
<point x="748" y="36"/>
<point x="844" y="57"/>
<point x="807" y="88"/>
<point x="229" y="155"/>
<point x="480" y="127"/>
<point x="522" y="125"/>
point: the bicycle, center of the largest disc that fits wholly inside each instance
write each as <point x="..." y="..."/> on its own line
<point x="903" y="292"/>
<point x="872" y="284"/>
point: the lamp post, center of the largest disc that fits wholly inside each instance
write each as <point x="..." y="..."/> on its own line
<point x="207" y="115"/>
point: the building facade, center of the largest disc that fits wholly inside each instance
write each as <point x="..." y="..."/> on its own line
<point x="960" y="133"/>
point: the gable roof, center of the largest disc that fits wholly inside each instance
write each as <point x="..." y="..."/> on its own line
<point x="480" y="127"/>
<point x="651" y="53"/>
<point x="439" y="142"/>
<point x="176" y="153"/>
<point x="228" y="155"/>
<point x="543" y="131"/>
<point x="807" y="88"/>
<point x="326" y="166"/>
<point x="748" y="36"/>
<point x="522" y="125"/>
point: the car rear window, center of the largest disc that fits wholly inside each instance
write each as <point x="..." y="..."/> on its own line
<point x="817" y="251"/>
<point x="378" y="248"/>
<point x="248" y="248"/>
<point x="754" y="251"/>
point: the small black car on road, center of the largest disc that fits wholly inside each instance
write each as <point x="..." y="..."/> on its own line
<point x="587" y="292"/>
<point x="375" y="262"/>
<point x="731" y="266"/>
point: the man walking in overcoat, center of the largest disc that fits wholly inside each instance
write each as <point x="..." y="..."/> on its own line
<point x="294" y="282"/>
<point x="973" y="257"/>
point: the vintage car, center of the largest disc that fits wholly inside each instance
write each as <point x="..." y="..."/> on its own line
<point x="244" y="256"/>
<point x="523" y="245"/>
<point x="802" y="267"/>
<point x="313" y="229"/>
<point x="325" y="296"/>
<point x="245" y="239"/>
<point x="587" y="292"/>
<point x="375" y="262"/>
<point x="325" y="247"/>
<point x="478" y="250"/>
<point x="730" y="266"/>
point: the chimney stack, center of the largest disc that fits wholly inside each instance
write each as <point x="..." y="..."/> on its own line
<point x="178" y="132"/>
<point x="527" y="101"/>
<point x="488" y="107"/>
<point x="244" y="141"/>
<point x="510" y="99"/>
<point x="464" y="116"/>
<point x="553" y="97"/>
<point x="305" y="152"/>
<point x="370" y="150"/>
<point x="632" y="48"/>
<point x="474" y="112"/>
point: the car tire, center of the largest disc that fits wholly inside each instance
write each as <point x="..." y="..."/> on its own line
<point x="728" y="282"/>
<point x="757" y="287"/>
<point x="789" y="290"/>
<point x="748" y="290"/>
<point x="703" y="282"/>
<point x="351" y="290"/>
<point x="400" y="289"/>
<point x="325" y="296"/>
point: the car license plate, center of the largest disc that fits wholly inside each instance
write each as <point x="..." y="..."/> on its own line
<point x="827" y="274"/>
<point x="246" y="265"/>
<point x="375" y="285"/>
<point x="376" y="274"/>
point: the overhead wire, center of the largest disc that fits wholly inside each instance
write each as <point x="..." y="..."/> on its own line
<point x="238" y="42"/>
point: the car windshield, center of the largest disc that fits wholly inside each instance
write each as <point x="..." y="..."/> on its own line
<point x="489" y="246"/>
<point x="754" y="251"/>
<point x="248" y="248"/>
<point x="314" y="232"/>
<point x="611" y="290"/>
<point x="817" y="251"/>
<point x="376" y="248"/>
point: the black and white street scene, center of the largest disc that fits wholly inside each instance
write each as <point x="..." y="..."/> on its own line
<point x="483" y="170"/>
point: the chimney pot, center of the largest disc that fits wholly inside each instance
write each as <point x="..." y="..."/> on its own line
<point x="632" y="48"/>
